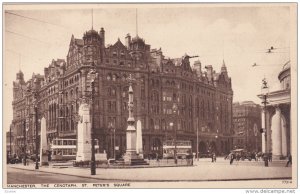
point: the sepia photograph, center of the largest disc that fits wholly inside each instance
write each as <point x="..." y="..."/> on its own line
<point x="150" y="95"/>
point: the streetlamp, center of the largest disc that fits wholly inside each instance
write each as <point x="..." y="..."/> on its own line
<point x="112" y="130"/>
<point x="197" y="143"/>
<point x="175" y="108"/>
<point x="36" y="137"/>
<point x="10" y="148"/>
<point x="265" y="91"/>
<point x="25" y="142"/>
<point x="93" y="76"/>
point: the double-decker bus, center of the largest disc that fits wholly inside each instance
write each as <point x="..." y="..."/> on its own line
<point x="66" y="149"/>
<point x="183" y="148"/>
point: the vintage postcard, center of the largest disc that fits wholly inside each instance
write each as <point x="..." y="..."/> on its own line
<point x="199" y="95"/>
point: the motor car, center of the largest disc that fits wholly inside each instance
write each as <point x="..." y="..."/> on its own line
<point x="205" y="155"/>
<point x="33" y="156"/>
<point x="15" y="160"/>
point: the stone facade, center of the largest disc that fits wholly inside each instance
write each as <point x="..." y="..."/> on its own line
<point x="204" y="98"/>
<point x="247" y="125"/>
<point x="277" y="117"/>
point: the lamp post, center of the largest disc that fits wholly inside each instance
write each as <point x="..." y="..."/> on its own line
<point x="36" y="137"/>
<point x="265" y="91"/>
<point x="10" y="151"/>
<point x="93" y="76"/>
<point x="197" y="143"/>
<point x="175" y="108"/>
<point x="25" y="143"/>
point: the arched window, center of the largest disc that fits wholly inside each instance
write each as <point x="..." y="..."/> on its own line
<point x="113" y="92"/>
<point x="76" y="93"/>
<point x="173" y="83"/>
<point x="125" y="92"/>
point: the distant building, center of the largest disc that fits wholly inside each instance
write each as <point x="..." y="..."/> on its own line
<point x="203" y="96"/>
<point x="247" y="125"/>
<point x="278" y="117"/>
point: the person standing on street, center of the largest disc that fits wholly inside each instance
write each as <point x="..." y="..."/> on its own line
<point x="289" y="161"/>
<point x="231" y="158"/>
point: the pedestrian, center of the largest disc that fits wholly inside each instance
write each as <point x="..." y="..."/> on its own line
<point x="270" y="157"/>
<point x="157" y="159"/>
<point x="214" y="157"/>
<point x="231" y="158"/>
<point x="266" y="159"/>
<point x="289" y="161"/>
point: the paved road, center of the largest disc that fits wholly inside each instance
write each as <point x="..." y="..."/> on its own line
<point x="19" y="176"/>
<point x="203" y="170"/>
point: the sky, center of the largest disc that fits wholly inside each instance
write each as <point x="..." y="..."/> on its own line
<point x="239" y="35"/>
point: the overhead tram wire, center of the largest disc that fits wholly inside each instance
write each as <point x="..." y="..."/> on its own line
<point x="38" y="60"/>
<point x="34" y="19"/>
<point x="24" y="36"/>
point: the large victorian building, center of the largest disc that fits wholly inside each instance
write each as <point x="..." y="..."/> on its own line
<point x="247" y="125"/>
<point x="203" y="98"/>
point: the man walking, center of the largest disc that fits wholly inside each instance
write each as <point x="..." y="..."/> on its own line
<point x="289" y="161"/>
<point x="231" y="158"/>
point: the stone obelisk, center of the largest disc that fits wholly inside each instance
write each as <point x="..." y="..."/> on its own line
<point x="43" y="145"/>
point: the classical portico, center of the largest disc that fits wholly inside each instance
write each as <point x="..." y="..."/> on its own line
<point x="276" y="118"/>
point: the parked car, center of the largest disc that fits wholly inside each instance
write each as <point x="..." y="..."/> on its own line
<point x="205" y="155"/>
<point x="32" y="157"/>
<point x="15" y="160"/>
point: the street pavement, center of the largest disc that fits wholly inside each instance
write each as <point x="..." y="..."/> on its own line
<point x="20" y="176"/>
<point x="203" y="170"/>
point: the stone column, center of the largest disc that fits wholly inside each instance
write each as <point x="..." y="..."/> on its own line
<point x="268" y="131"/>
<point x="276" y="134"/>
<point x="283" y="136"/>
<point x="263" y="137"/>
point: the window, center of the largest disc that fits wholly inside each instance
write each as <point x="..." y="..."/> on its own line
<point x="124" y="105"/>
<point x="151" y="124"/>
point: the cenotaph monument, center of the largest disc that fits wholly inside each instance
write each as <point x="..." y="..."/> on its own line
<point x="43" y="145"/>
<point x="84" y="134"/>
